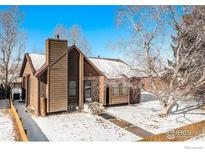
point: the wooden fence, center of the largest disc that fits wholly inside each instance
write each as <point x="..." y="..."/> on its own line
<point x="17" y="119"/>
<point x="180" y="134"/>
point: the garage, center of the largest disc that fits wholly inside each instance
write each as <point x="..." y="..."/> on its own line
<point x="16" y="93"/>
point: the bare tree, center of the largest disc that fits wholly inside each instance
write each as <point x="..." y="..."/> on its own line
<point x="75" y="36"/>
<point x="12" y="44"/>
<point x="188" y="48"/>
<point x="183" y="75"/>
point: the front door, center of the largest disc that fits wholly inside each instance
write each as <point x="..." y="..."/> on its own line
<point x="107" y="96"/>
<point x="88" y="91"/>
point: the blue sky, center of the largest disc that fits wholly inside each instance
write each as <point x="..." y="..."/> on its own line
<point x="97" y="22"/>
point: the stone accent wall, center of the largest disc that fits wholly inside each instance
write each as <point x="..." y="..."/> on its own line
<point x="102" y="90"/>
<point x="95" y="89"/>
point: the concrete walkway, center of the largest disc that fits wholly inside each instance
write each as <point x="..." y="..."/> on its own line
<point x="126" y="125"/>
<point x="34" y="133"/>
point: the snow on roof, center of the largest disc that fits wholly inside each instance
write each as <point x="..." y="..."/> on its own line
<point x="37" y="60"/>
<point x="112" y="68"/>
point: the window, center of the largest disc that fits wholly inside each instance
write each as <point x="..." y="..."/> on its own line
<point x="72" y="88"/>
<point x="124" y="89"/>
<point x="116" y="89"/>
<point x="88" y="91"/>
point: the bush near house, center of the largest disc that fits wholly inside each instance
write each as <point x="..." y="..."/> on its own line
<point x="3" y="94"/>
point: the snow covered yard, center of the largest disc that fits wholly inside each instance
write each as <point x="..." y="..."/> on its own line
<point x="82" y="127"/>
<point x="7" y="128"/>
<point x="147" y="96"/>
<point x="146" y="116"/>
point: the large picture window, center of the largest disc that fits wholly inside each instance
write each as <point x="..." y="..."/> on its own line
<point x="72" y="88"/>
<point x="116" y="89"/>
<point x="124" y="89"/>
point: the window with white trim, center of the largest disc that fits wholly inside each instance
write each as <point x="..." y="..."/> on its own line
<point x="124" y="89"/>
<point x="116" y="89"/>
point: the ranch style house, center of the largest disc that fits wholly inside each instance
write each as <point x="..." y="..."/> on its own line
<point x="68" y="79"/>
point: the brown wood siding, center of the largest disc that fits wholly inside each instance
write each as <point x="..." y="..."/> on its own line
<point x="55" y="48"/>
<point x="28" y="90"/>
<point x="31" y="88"/>
<point x="42" y="89"/>
<point x="42" y="84"/>
<point x="102" y="90"/>
<point x="81" y="81"/>
<point x="57" y="75"/>
<point x="47" y="51"/>
<point x="58" y="86"/>
<point x="147" y="84"/>
<point x="89" y="70"/>
<point x="120" y="99"/>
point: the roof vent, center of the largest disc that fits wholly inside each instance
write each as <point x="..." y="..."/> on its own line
<point x="58" y="36"/>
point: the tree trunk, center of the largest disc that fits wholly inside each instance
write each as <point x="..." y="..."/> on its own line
<point x="167" y="109"/>
<point x="6" y="82"/>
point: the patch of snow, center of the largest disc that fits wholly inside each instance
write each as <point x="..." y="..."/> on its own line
<point x="147" y="96"/>
<point x="200" y="138"/>
<point x="146" y="92"/>
<point x="112" y="68"/>
<point x="6" y="127"/>
<point x="37" y="60"/>
<point x="146" y="116"/>
<point x="82" y="126"/>
<point x="86" y="108"/>
<point x="16" y="90"/>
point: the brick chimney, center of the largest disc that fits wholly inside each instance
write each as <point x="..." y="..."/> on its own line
<point x="55" y="48"/>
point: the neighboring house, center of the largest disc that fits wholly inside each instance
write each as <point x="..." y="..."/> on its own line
<point x="14" y="88"/>
<point x="147" y="84"/>
<point x="16" y="83"/>
<point x="68" y="79"/>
